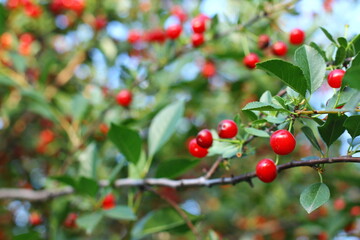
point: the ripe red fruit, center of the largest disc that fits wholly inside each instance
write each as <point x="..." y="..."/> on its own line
<point x="70" y="221"/>
<point x="282" y="142"/>
<point x="47" y="136"/>
<point x="155" y="35"/>
<point x="109" y="201"/>
<point x="335" y="78"/>
<point x="179" y="12"/>
<point x="208" y="69"/>
<point x="266" y="170"/>
<point x="100" y="23"/>
<point x="104" y="129"/>
<point x="227" y="129"/>
<point x="279" y="48"/>
<point x="6" y="41"/>
<point x="35" y="219"/>
<point x="355" y="211"/>
<point x="124" y="98"/>
<point x="323" y="236"/>
<point x="339" y="204"/>
<point x="297" y="36"/>
<point x="196" y="150"/>
<point x="197" y="39"/>
<point x="32" y="10"/>
<point x="134" y="36"/>
<point x="251" y="60"/>
<point x="204" y="138"/>
<point x="263" y="41"/>
<point x="198" y="24"/>
<point x="174" y="31"/>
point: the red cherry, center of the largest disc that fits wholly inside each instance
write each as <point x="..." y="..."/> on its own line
<point x="155" y="35"/>
<point x="204" y="138"/>
<point x="6" y="41"/>
<point x="251" y="60"/>
<point x="209" y="69"/>
<point x="134" y="36"/>
<point x="124" y="98"/>
<point x="263" y="41"/>
<point x="26" y="38"/>
<point x="109" y="201"/>
<point x="266" y="170"/>
<point x="197" y="39"/>
<point x="100" y="22"/>
<point x="179" y="12"/>
<point x="335" y="78"/>
<point x="323" y="236"/>
<point x="297" y="36"/>
<point x="33" y="10"/>
<point x="174" y="31"/>
<point x="227" y="129"/>
<point x="104" y="129"/>
<point x="282" y="142"/>
<point x="198" y="24"/>
<point x="196" y="150"/>
<point x="47" y="136"/>
<point x="355" y="211"/>
<point x="339" y="204"/>
<point x="70" y="221"/>
<point x="279" y="48"/>
<point x="35" y="219"/>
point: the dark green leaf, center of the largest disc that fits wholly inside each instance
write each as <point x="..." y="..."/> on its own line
<point x="28" y="236"/>
<point x="164" y="125"/>
<point x="259" y="106"/>
<point x="256" y="132"/>
<point x="356" y="43"/>
<point x="310" y="135"/>
<point x="127" y="141"/>
<point x="351" y="77"/>
<point x="343" y="42"/>
<point x="121" y="213"/>
<point x="87" y="186"/>
<point x="66" y="180"/>
<point x="340" y="56"/>
<point x="328" y="35"/>
<point x="88" y="222"/>
<point x="332" y="128"/>
<point x="290" y="74"/>
<point x="250" y="115"/>
<point x="314" y="196"/>
<point x="174" y="168"/>
<point x="320" y="51"/>
<point x="312" y="64"/>
<point x="352" y="125"/>
<point x="159" y="221"/>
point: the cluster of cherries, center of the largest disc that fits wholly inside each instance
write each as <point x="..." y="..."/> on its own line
<point x="108" y="202"/>
<point x="58" y="6"/>
<point x="281" y="141"/>
<point x="198" y="25"/>
<point x="31" y="9"/>
<point x="296" y="37"/>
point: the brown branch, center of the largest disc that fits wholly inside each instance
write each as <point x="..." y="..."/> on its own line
<point x="213" y="168"/>
<point x="42" y="195"/>
<point x="299" y="112"/>
<point x="179" y="210"/>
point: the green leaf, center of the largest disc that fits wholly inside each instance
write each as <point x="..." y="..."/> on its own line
<point x="320" y="51"/>
<point x="328" y="35"/>
<point x="340" y="56"/>
<point x="87" y="186"/>
<point x="351" y="77"/>
<point x="121" y="213"/>
<point x="310" y="135"/>
<point x="19" y="62"/>
<point x="79" y="106"/>
<point x="164" y="125"/>
<point x="6" y="81"/>
<point x="312" y="64"/>
<point x="174" y="168"/>
<point x="351" y="105"/>
<point x="314" y="196"/>
<point x="345" y="97"/>
<point x="117" y="169"/>
<point x="352" y="125"/>
<point x="332" y="129"/>
<point x="66" y="180"/>
<point x="356" y="43"/>
<point x="259" y="106"/>
<point x="159" y="221"/>
<point x="88" y="222"/>
<point x="28" y="236"/>
<point x="127" y="141"/>
<point x="290" y="74"/>
<point x="343" y="42"/>
<point x="88" y="159"/>
<point x="256" y="132"/>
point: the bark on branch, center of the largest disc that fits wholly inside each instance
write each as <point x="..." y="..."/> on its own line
<point x="43" y="195"/>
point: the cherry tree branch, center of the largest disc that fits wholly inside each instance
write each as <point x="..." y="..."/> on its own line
<point x="42" y="195"/>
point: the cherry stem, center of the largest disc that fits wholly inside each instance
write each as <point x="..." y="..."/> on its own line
<point x="320" y="175"/>
<point x="227" y="140"/>
<point x="277" y="159"/>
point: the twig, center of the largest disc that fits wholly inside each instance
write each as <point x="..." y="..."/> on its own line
<point x="42" y="195"/>
<point x="299" y="112"/>
<point x="213" y="168"/>
<point x="179" y="210"/>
